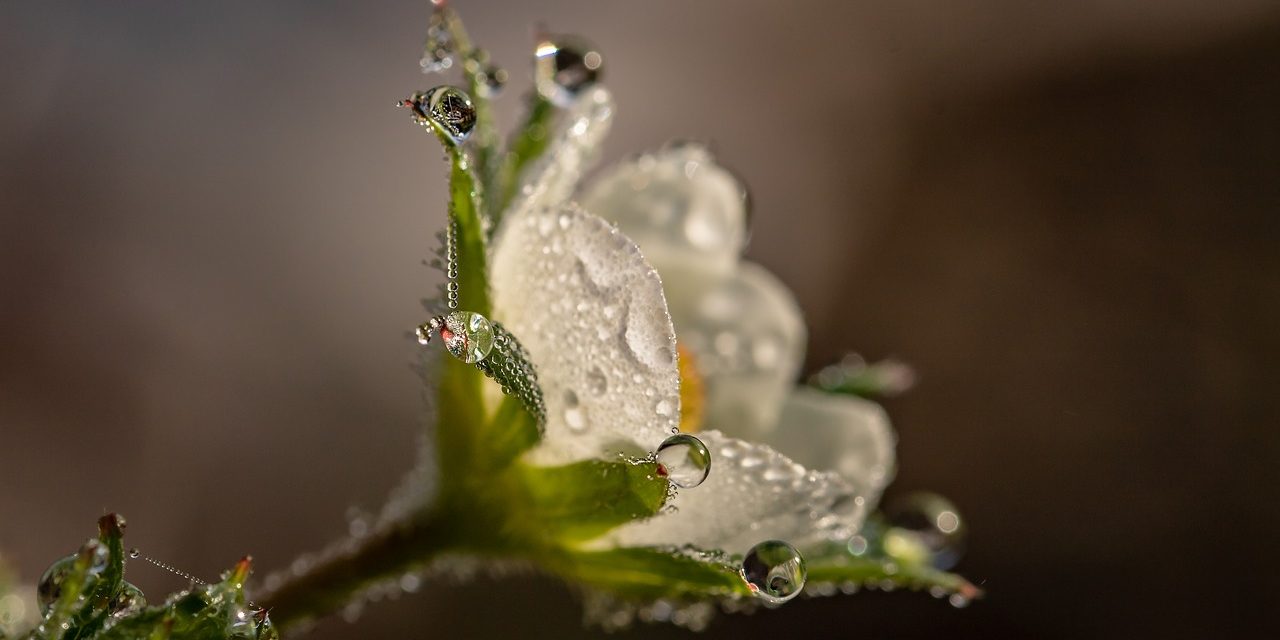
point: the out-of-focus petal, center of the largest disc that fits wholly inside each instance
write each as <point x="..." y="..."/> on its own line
<point x="581" y="129"/>
<point x="687" y="213"/>
<point x="589" y="309"/>
<point x="747" y="337"/>
<point x="849" y="435"/>
<point x="753" y="493"/>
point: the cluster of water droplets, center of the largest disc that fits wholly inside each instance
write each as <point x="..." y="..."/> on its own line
<point x="615" y="614"/>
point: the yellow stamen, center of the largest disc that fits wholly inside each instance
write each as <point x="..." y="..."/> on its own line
<point x="692" y="391"/>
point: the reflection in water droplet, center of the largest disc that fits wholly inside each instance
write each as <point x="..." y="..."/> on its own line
<point x="468" y="336"/>
<point x="564" y="66"/>
<point x="774" y="570"/>
<point x="684" y="460"/>
<point x="448" y="108"/>
<point x="925" y="527"/>
<point x="134" y="553"/>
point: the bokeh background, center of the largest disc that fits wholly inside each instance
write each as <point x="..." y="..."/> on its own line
<point x="1064" y="214"/>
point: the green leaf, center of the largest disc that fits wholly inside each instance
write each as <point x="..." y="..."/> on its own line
<point x="582" y="500"/>
<point x="94" y="576"/>
<point x="834" y="565"/>
<point x="649" y="573"/>
<point x="855" y="376"/>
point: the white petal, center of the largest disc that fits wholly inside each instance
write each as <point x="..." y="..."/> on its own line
<point x="589" y="309"/>
<point x="581" y="129"/>
<point x="753" y="493"/>
<point x="687" y="213"/>
<point x="847" y="434"/>
<point x="748" y="338"/>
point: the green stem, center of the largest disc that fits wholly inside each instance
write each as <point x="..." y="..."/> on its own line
<point x="383" y="555"/>
<point x="530" y="141"/>
<point x="485" y="134"/>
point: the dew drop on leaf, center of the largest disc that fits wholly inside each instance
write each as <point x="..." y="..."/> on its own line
<point x="684" y="460"/>
<point x="925" y="527"/>
<point x="128" y="602"/>
<point x="448" y="108"/>
<point x="468" y="336"/>
<point x="50" y="586"/>
<point x="774" y="570"/>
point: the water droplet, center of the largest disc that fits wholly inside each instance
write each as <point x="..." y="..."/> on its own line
<point x="50" y="586"/>
<point x="663" y="408"/>
<point x="468" y="336"/>
<point x="925" y="527"/>
<point x="134" y="553"/>
<point x="447" y="107"/>
<point x="128" y="602"/>
<point x="684" y="460"/>
<point x="564" y="66"/>
<point x="575" y="415"/>
<point x="774" y="570"/>
<point x="597" y="383"/>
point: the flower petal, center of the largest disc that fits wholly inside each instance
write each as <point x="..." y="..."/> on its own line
<point x="685" y="211"/>
<point x="748" y="338"/>
<point x="554" y="177"/>
<point x="847" y="434"/>
<point x="591" y="313"/>
<point x="753" y="493"/>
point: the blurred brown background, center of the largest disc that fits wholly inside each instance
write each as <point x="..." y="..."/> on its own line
<point x="211" y="221"/>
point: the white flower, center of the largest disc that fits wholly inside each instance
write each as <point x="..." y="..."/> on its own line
<point x="791" y="464"/>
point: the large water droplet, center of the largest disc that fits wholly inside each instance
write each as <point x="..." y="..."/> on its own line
<point x="134" y="553"/>
<point x="925" y="527"/>
<point x="684" y="460"/>
<point x="50" y="586"/>
<point x="468" y="336"/>
<point x="447" y="107"/>
<point x="564" y="66"/>
<point x="774" y="570"/>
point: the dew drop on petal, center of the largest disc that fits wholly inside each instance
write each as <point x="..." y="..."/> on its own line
<point x="684" y="460"/>
<point x="597" y="383"/>
<point x="574" y="413"/>
<point x="774" y="570"/>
